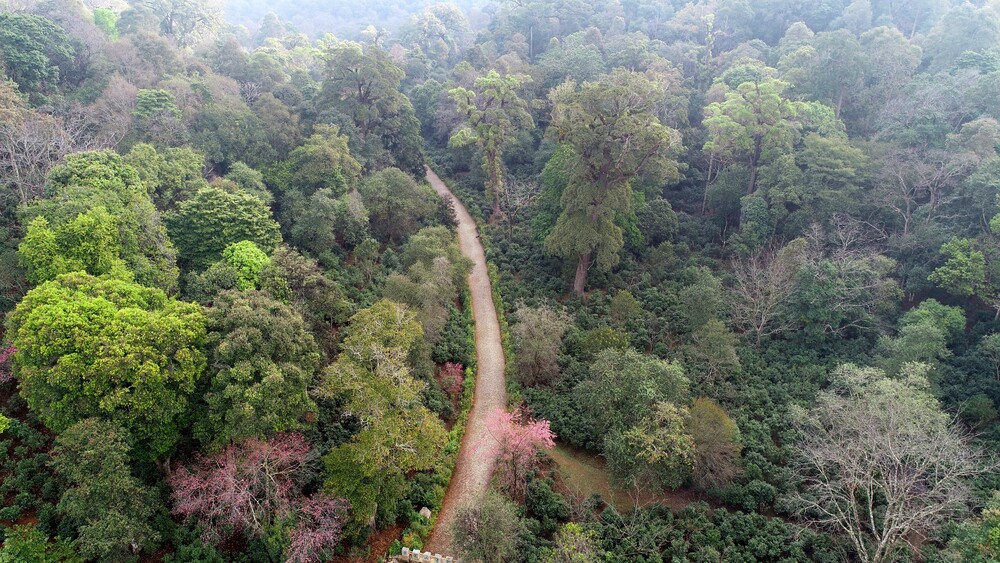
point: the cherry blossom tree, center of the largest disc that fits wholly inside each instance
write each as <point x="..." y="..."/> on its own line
<point x="321" y="521"/>
<point x="251" y="488"/>
<point x="518" y="438"/>
<point x="245" y="487"/>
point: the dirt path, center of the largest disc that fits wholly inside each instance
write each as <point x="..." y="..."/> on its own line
<point x="477" y="454"/>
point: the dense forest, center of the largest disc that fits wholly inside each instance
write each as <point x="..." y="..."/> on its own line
<point x="745" y="257"/>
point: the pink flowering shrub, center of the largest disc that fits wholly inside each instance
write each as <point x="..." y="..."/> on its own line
<point x="518" y="438"/>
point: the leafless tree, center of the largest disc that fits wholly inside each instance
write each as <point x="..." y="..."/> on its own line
<point x="880" y="463"/>
<point x="517" y="196"/>
<point x="912" y="179"/>
<point x="30" y="144"/>
<point x="113" y="111"/>
<point x="763" y="285"/>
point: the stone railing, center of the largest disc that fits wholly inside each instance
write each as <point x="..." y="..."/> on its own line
<point x="425" y="557"/>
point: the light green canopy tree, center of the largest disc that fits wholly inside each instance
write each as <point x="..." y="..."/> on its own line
<point x="107" y="348"/>
<point x="100" y="189"/>
<point x="494" y="114"/>
<point x="399" y="434"/>
<point x="755" y="123"/>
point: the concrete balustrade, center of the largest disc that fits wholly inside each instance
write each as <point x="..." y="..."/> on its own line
<point x="425" y="557"/>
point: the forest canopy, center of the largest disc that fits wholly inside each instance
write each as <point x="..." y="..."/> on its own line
<point x="744" y="256"/>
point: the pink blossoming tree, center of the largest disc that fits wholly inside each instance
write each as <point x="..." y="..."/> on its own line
<point x="518" y="438"/>
<point x="251" y="487"/>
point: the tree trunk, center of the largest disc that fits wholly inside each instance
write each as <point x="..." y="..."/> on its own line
<point x="164" y="466"/>
<point x="708" y="178"/>
<point x="581" y="274"/>
<point x="754" y="159"/>
<point x="531" y="42"/>
<point x="840" y="103"/>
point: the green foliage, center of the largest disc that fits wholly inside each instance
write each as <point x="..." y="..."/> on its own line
<point x="611" y="120"/>
<point x="33" y="50"/>
<point x="964" y="272"/>
<point x="978" y="540"/>
<point x="362" y="92"/>
<point x="107" y="21"/>
<point x="494" y="113"/>
<point x="488" y="531"/>
<point x="88" y="244"/>
<point x="716" y="442"/>
<point x="397" y="205"/>
<point x="323" y="161"/>
<point x="27" y="543"/>
<point x="103" y="179"/>
<point x="171" y="174"/>
<point x="399" y="434"/>
<point x="247" y="260"/>
<point x="702" y="534"/>
<point x="657" y="452"/>
<point x="755" y="121"/>
<point x="575" y="544"/>
<point x="596" y="340"/>
<point x="112" y="349"/>
<point x="265" y="359"/>
<point x="456" y="344"/>
<point x="950" y="320"/>
<point x="229" y="134"/>
<point x="111" y="508"/>
<point x="184" y="21"/>
<point x="206" y="224"/>
<point x="755" y="224"/>
<point x="150" y="103"/>
<point x="623" y="387"/>
<point x="249" y="180"/>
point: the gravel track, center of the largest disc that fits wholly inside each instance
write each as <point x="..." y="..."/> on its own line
<point x="477" y="453"/>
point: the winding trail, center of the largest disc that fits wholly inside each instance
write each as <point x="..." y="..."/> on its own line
<point x="477" y="453"/>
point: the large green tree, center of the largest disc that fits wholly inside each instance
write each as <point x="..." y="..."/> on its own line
<point x="398" y="433"/>
<point x="264" y="360"/>
<point x="89" y="347"/>
<point x="615" y="133"/>
<point x="112" y="509"/>
<point x="184" y="21"/>
<point x="494" y="113"/>
<point x="754" y="124"/>
<point x="203" y="226"/>
<point x="397" y="204"/>
<point x="104" y="189"/>
<point x="32" y="50"/>
<point x="362" y="94"/>
<point x="88" y="243"/>
<point x="624" y="386"/>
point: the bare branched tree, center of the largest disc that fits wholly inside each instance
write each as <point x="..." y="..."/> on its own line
<point x="518" y="195"/>
<point x="880" y="463"/>
<point x="30" y="144"/>
<point x="763" y="284"/>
